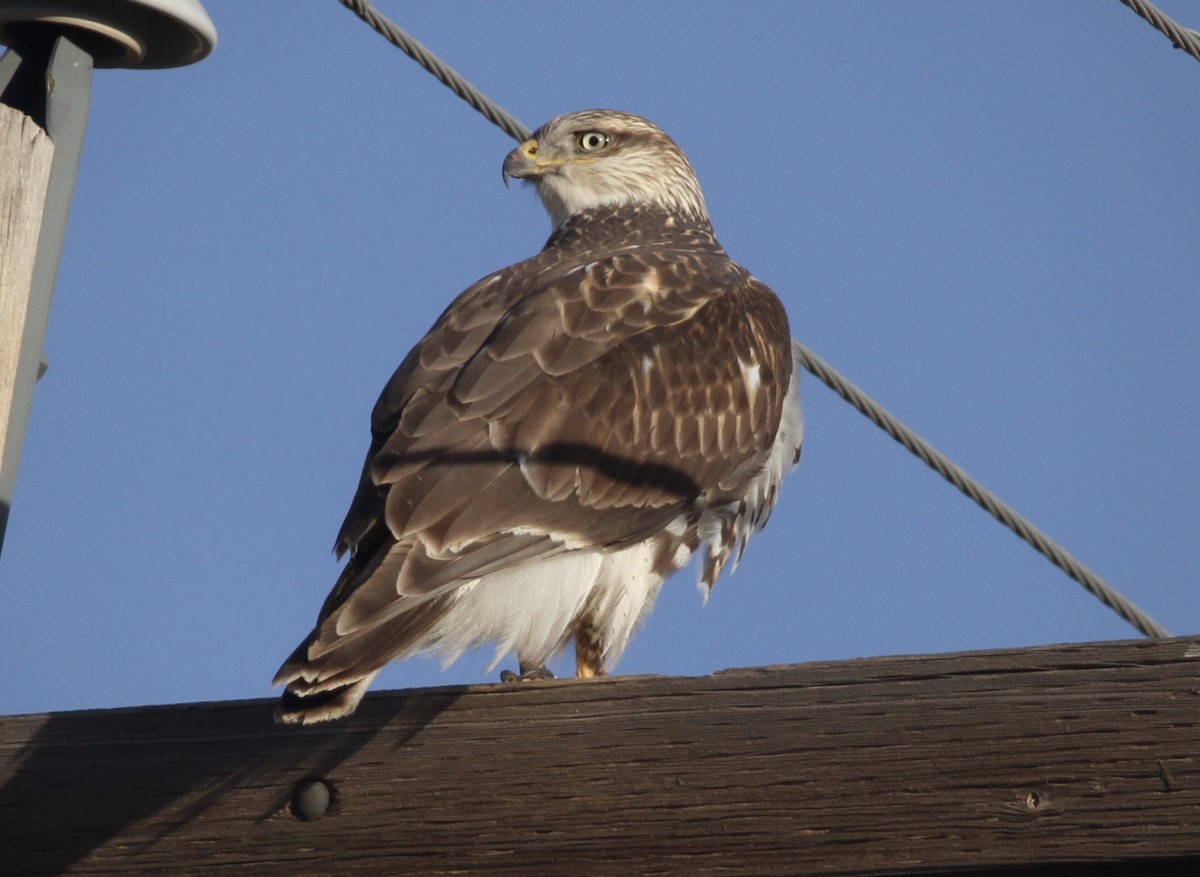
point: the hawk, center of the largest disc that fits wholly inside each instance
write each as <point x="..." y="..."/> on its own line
<point x="569" y="433"/>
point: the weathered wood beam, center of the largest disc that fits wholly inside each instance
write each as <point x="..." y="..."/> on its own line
<point x="993" y="762"/>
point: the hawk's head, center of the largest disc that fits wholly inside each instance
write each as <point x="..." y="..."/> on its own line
<point x="597" y="158"/>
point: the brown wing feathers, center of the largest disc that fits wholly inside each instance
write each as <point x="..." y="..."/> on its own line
<point x="594" y="408"/>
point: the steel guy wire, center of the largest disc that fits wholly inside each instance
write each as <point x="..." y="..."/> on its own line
<point x="1001" y="511"/>
<point x="433" y="64"/>
<point x="1183" y="38"/>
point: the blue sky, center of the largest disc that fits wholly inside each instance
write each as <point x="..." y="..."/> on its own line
<point x="984" y="214"/>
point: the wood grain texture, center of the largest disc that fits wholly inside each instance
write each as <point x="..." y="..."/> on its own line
<point x="983" y="762"/>
<point x="26" y="153"/>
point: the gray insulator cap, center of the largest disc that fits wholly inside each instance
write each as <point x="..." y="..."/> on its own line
<point x="116" y="33"/>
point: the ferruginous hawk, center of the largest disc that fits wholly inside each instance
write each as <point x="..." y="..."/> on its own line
<point x="570" y="431"/>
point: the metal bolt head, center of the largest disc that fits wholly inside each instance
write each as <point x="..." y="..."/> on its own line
<point x="310" y="799"/>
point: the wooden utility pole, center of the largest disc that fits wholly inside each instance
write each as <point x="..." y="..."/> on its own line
<point x="1080" y="759"/>
<point x="45" y="89"/>
<point x="26" y="153"/>
<point x="45" y="92"/>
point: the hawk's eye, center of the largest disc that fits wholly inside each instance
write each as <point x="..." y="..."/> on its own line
<point x="592" y="141"/>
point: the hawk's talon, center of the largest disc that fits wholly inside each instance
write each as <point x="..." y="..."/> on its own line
<point x="533" y="674"/>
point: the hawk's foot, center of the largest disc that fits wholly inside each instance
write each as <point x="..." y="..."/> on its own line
<point x="528" y="674"/>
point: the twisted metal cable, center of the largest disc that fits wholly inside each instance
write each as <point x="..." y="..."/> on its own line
<point x="1001" y="511"/>
<point x="446" y="75"/>
<point x="1182" y="37"/>
<point x="933" y="458"/>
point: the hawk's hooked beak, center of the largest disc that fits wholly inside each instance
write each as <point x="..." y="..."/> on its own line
<point x="527" y="161"/>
